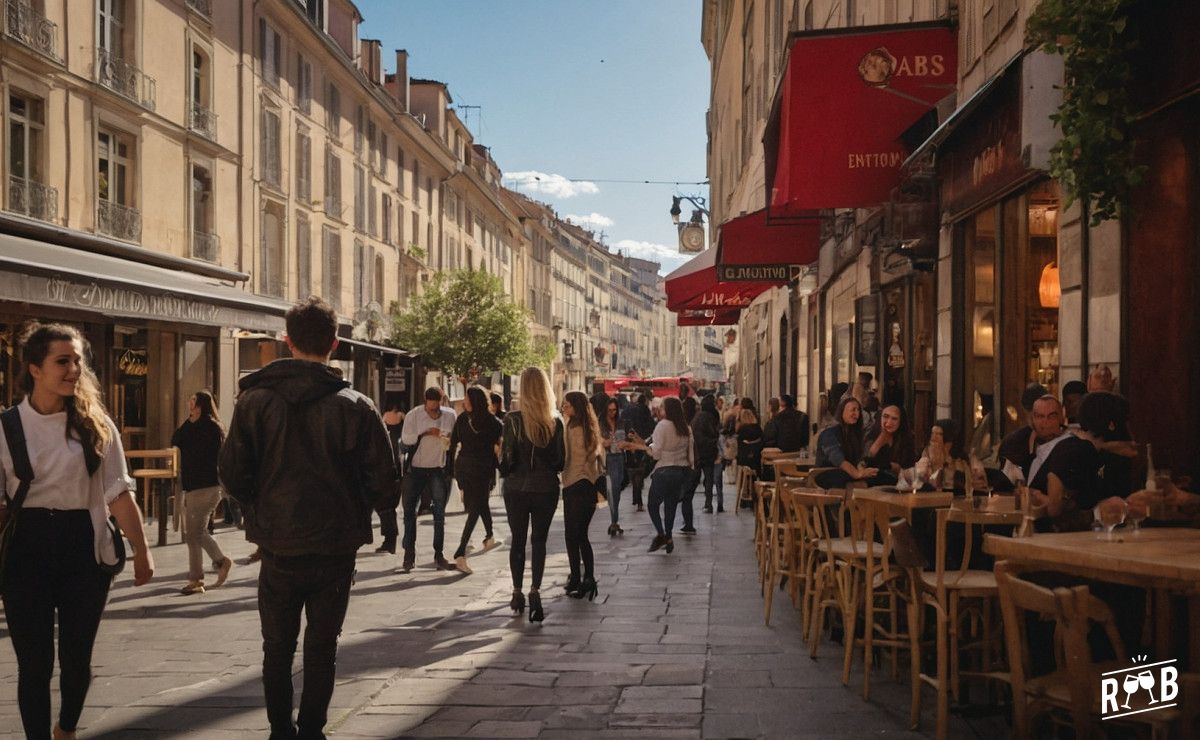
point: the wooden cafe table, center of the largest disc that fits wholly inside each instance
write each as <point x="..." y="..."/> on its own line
<point x="903" y="503"/>
<point x="1163" y="560"/>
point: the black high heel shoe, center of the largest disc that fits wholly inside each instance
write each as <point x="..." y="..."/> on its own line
<point x="518" y="603"/>
<point x="573" y="586"/>
<point x="535" y="607"/>
<point x="587" y="589"/>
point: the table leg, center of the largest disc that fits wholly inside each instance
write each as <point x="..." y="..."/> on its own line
<point x="162" y="516"/>
<point x="1193" y="617"/>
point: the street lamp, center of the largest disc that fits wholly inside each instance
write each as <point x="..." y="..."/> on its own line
<point x="697" y="212"/>
<point x="691" y="234"/>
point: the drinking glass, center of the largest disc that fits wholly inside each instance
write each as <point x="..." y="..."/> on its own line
<point x="1130" y="685"/>
<point x="1136" y="513"/>
<point x="1111" y="513"/>
<point x="1146" y="679"/>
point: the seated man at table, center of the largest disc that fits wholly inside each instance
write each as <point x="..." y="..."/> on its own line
<point x="1016" y="449"/>
<point x="1063" y="482"/>
<point x="788" y="429"/>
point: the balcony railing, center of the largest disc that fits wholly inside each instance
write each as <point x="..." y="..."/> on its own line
<point x="124" y="79"/>
<point x="204" y="122"/>
<point x="32" y="199"/>
<point x="206" y="246"/>
<point x="119" y="221"/>
<point x="31" y="28"/>
<point x="203" y="7"/>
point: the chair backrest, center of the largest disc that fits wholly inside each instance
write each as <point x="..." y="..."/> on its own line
<point x="969" y="518"/>
<point x="905" y="548"/>
<point x="812" y="476"/>
<point x="788" y="467"/>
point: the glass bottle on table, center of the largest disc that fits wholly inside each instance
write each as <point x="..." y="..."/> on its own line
<point x="1151" y="477"/>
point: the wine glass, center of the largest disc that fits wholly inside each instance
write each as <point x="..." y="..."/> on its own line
<point x="1111" y="514"/>
<point x="1146" y="679"/>
<point x="1130" y="685"/>
<point x="1136" y="512"/>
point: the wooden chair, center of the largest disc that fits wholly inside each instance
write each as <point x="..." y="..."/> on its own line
<point x="945" y="592"/>
<point x="1073" y="688"/>
<point x="828" y="582"/>
<point x="788" y="557"/>
<point x="145" y="477"/>
<point x="744" y="486"/>
<point x="763" y="526"/>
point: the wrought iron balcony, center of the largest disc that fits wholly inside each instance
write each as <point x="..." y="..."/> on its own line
<point x="119" y="221"/>
<point x="32" y="199"/>
<point x="124" y="79"/>
<point x="203" y="7"/>
<point x="32" y="29"/>
<point x="204" y="122"/>
<point x="206" y="246"/>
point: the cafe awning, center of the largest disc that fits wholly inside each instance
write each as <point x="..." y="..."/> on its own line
<point x="752" y="249"/>
<point x="847" y="95"/>
<point x="691" y="317"/>
<point x="694" y="285"/>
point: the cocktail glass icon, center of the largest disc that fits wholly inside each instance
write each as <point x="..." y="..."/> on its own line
<point x="1130" y="685"/>
<point x="1146" y="679"/>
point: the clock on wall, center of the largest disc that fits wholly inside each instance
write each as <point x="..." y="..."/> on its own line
<point x="691" y="238"/>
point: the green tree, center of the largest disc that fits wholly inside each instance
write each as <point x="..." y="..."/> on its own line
<point x="464" y="324"/>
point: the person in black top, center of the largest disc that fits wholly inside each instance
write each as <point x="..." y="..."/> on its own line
<point x="1017" y="448"/>
<point x="199" y="441"/>
<point x="706" y="428"/>
<point x="497" y="406"/>
<point x="637" y="418"/>
<point x="1063" y="480"/>
<point x="889" y="445"/>
<point x="389" y="529"/>
<point x="788" y="430"/>
<point x="749" y="440"/>
<point x="476" y="437"/>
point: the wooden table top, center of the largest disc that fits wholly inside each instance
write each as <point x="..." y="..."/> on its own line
<point x="1153" y="558"/>
<point x="904" y="500"/>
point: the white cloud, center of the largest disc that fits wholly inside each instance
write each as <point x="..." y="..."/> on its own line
<point x="591" y="221"/>
<point x="555" y="186"/>
<point x="668" y="257"/>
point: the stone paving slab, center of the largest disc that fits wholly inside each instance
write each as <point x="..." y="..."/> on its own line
<point x="674" y="646"/>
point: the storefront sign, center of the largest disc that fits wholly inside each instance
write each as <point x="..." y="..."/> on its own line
<point x="983" y="158"/>
<point x="134" y="363"/>
<point x="756" y="273"/>
<point x="395" y="380"/>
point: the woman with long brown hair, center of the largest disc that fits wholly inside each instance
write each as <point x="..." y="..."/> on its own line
<point x="581" y="471"/>
<point x="841" y="447"/>
<point x="671" y="446"/>
<point x="476" y="436"/>
<point x="199" y="441"/>
<point x="63" y="473"/>
<point x="531" y="457"/>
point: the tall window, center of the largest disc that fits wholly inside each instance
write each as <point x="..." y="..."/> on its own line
<point x="269" y="147"/>
<point x="333" y="110"/>
<point x="400" y="225"/>
<point x="748" y="124"/>
<point x="429" y="195"/>
<point x="360" y="198"/>
<point x="114" y="182"/>
<point x="271" y="264"/>
<point x="387" y="219"/>
<point x="303" y="166"/>
<point x="303" y="255"/>
<point x="333" y="184"/>
<point x="359" y="128"/>
<point x="383" y="149"/>
<point x="27" y="191"/>
<point x="110" y="31"/>
<point x="400" y="171"/>
<point x="270" y="50"/>
<point x="416" y="178"/>
<point x="416" y="227"/>
<point x="331" y="264"/>
<point x="362" y="277"/>
<point x="373" y="143"/>
<point x="377" y="275"/>
<point x="372" y="208"/>
<point x="304" y="77"/>
<point x="204" y="245"/>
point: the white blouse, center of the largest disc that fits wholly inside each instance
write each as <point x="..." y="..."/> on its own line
<point x="669" y="447"/>
<point x="60" y="477"/>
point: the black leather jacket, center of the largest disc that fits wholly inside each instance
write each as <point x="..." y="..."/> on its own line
<point x="308" y="458"/>
<point x="525" y="467"/>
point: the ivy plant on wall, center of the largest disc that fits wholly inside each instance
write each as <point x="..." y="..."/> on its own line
<point x="1094" y="160"/>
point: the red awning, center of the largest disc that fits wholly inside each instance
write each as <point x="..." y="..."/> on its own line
<point x="751" y="249"/>
<point x="691" y="317"/>
<point x="695" y="286"/>
<point x="833" y="139"/>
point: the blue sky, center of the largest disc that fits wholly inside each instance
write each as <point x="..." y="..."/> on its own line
<point x="612" y="90"/>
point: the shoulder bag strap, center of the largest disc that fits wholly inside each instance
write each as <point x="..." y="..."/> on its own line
<point x="14" y="434"/>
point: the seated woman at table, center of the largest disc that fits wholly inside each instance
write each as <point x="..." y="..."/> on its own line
<point x="841" y="447"/>
<point x="889" y="445"/>
<point x="943" y="461"/>
<point x="749" y="440"/>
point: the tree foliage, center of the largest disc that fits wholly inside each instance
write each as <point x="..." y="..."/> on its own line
<point x="1095" y="157"/>
<point x="464" y="325"/>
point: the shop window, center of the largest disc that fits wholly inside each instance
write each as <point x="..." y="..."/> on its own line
<point x="982" y="338"/>
<point x="127" y="391"/>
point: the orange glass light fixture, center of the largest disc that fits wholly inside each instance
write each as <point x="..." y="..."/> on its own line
<point x="1049" y="290"/>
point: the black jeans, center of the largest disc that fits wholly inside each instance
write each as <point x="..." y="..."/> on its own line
<point x="389" y="529"/>
<point x="475" y="500"/>
<point x="579" y="504"/>
<point x="52" y="570"/>
<point x="318" y="585"/>
<point x="417" y="483"/>
<point x="523" y="507"/>
<point x="637" y="467"/>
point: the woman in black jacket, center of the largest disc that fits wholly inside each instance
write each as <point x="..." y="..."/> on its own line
<point x="199" y="441"/>
<point x="531" y="457"/>
<point x="706" y="427"/>
<point x="477" y="432"/>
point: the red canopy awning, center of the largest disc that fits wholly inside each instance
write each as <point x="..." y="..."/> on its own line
<point x="690" y="317"/>
<point x="751" y="249"/>
<point x="694" y="285"/>
<point x="833" y="139"/>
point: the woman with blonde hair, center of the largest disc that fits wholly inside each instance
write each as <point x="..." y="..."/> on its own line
<point x="582" y="470"/>
<point x="62" y="475"/>
<point x="531" y="457"/>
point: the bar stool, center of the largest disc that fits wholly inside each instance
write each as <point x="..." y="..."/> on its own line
<point x="146" y="478"/>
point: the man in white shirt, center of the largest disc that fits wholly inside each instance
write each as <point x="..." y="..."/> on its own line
<point x="427" y="428"/>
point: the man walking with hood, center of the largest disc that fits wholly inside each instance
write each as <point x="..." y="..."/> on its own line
<point x="308" y="459"/>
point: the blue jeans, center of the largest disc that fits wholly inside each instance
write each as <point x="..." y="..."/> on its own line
<point x="666" y="487"/>
<point x="712" y="477"/>
<point x="615" y="469"/>
<point x="414" y="483"/>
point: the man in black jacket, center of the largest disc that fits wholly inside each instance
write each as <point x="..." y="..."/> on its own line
<point x="308" y="459"/>
<point x="637" y="418"/>
<point x="788" y="429"/>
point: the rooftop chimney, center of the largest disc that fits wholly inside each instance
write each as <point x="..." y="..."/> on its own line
<point x="398" y="82"/>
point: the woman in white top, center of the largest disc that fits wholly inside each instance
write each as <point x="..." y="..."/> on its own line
<point x="61" y="539"/>
<point x="671" y="446"/>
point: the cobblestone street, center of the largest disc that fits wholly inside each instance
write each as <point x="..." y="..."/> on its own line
<point x="674" y="646"/>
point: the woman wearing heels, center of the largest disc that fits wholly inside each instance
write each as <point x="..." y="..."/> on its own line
<point x="611" y="436"/>
<point x="671" y="447"/>
<point x="531" y="457"/>
<point x="580" y="473"/>
<point x="475" y="437"/>
<point x="62" y="554"/>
